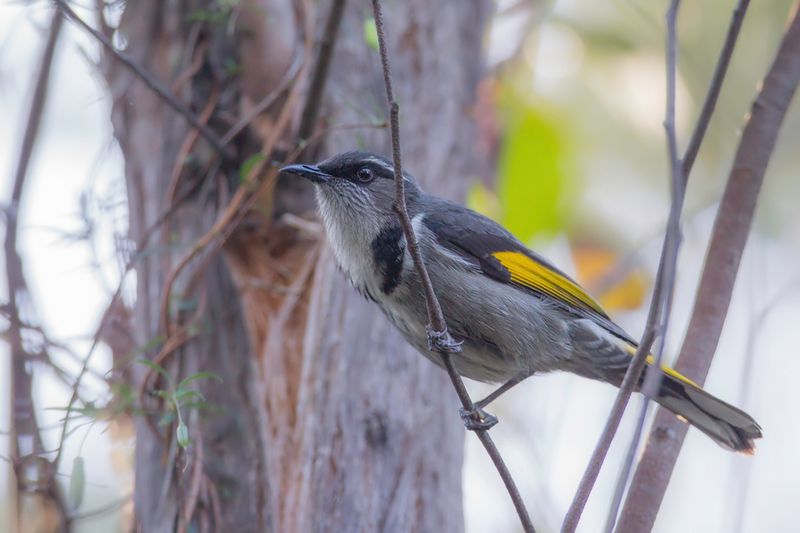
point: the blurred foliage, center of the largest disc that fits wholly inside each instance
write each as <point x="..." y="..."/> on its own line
<point x="617" y="284"/>
<point x="580" y="146"/>
<point x="179" y="398"/>
<point x="532" y="182"/>
<point x="371" y="33"/>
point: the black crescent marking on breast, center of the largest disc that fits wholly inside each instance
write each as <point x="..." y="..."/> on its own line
<point x="387" y="252"/>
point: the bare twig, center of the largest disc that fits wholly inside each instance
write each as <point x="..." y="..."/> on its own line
<point x="148" y="79"/>
<point x="265" y="102"/>
<point x="319" y="75"/>
<point x="731" y="229"/>
<point x="439" y="338"/>
<point x="714" y="88"/>
<point x="654" y="376"/>
<point x="25" y="429"/>
<point x="139" y="252"/>
<point x="662" y="291"/>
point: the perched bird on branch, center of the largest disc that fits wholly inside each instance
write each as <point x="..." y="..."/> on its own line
<point x="514" y="313"/>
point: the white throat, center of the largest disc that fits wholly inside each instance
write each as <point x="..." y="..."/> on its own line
<point x="350" y="240"/>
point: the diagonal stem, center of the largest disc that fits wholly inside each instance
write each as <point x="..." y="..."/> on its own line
<point x="654" y="377"/>
<point x="729" y="236"/>
<point x="148" y="79"/>
<point x="438" y="336"/>
<point x="665" y="281"/>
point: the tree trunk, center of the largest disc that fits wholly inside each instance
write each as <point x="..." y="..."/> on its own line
<point x="326" y="420"/>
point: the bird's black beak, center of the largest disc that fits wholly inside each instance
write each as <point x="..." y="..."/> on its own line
<point x="310" y="172"/>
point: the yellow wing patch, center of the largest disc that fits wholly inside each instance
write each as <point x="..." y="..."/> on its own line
<point x="530" y="273"/>
<point x="671" y="372"/>
<point x="665" y="369"/>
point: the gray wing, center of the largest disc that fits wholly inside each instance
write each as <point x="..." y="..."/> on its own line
<point x="481" y="241"/>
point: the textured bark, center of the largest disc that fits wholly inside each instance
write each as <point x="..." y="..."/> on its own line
<point x="328" y="422"/>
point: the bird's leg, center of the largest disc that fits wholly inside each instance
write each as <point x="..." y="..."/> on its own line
<point x="477" y="418"/>
<point x="502" y="389"/>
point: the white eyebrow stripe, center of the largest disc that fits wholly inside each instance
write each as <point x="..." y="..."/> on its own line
<point x="386" y="166"/>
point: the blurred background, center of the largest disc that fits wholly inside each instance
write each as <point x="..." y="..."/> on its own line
<point x="571" y="108"/>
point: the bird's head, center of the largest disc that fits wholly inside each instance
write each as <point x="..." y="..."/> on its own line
<point x="355" y="187"/>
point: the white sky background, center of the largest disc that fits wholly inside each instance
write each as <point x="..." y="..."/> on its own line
<point x="549" y="425"/>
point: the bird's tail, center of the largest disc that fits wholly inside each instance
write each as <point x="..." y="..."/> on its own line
<point x="730" y="427"/>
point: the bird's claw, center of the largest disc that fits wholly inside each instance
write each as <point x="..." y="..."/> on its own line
<point x="477" y="419"/>
<point x="441" y="341"/>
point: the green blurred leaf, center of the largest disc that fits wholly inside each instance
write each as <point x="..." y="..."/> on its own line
<point x="371" y="34"/>
<point x="248" y="165"/>
<point x="183" y="435"/>
<point x="198" y="375"/>
<point x="198" y="405"/>
<point x="166" y="419"/>
<point x="204" y="15"/>
<point x="77" y="482"/>
<point x="182" y="394"/>
<point x="158" y="368"/>
<point x="163" y="394"/>
<point x="484" y="201"/>
<point x="532" y="181"/>
<point x="186" y="304"/>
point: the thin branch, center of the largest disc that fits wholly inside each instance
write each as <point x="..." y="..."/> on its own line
<point x="714" y="88"/>
<point x="729" y="236"/>
<point x="319" y="74"/>
<point x="25" y="427"/>
<point x="151" y="82"/>
<point x="265" y="102"/>
<point x="662" y="291"/>
<point x="438" y="336"/>
<point x="654" y="376"/>
<point x="138" y="254"/>
<point x="14" y="272"/>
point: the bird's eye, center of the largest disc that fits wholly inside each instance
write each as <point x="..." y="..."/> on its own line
<point x="365" y="175"/>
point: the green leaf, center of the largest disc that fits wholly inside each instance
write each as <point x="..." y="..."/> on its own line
<point x="158" y="368"/>
<point x="77" y="482"/>
<point x="196" y="405"/>
<point x="183" y="435"/>
<point x="182" y="394"/>
<point x="163" y="394"/>
<point x="484" y="201"/>
<point x="166" y="419"/>
<point x="532" y="180"/>
<point x="371" y="34"/>
<point x="199" y="375"/>
<point x="232" y="68"/>
<point x="248" y="165"/>
<point x="186" y="304"/>
<point x="203" y="15"/>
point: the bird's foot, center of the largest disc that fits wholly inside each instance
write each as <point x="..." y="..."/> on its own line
<point x="477" y="419"/>
<point x="441" y="341"/>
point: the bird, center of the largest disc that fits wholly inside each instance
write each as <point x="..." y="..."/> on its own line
<point x="514" y="313"/>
